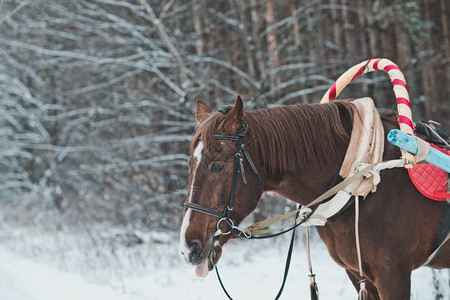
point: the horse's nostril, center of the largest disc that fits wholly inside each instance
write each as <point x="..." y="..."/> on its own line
<point x="196" y="248"/>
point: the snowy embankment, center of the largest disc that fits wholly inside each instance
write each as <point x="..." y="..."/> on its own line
<point x="47" y="267"/>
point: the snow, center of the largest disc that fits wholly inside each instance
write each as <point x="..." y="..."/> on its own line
<point x="156" y="270"/>
<point x="21" y="278"/>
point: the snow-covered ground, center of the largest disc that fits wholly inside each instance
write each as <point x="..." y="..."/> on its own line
<point x="90" y="268"/>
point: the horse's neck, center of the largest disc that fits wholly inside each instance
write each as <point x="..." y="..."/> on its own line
<point x="304" y="185"/>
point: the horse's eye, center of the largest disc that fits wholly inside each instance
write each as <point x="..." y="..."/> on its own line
<point x="216" y="168"/>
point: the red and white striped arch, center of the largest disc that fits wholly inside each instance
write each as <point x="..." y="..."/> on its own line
<point x="397" y="79"/>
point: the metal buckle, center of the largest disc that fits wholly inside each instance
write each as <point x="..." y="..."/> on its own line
<point x="241" y="162"/>
<point x="219" y="231"/>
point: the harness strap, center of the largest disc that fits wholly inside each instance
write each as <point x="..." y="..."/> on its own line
<point x="442" y="237"/>
<point x="312" y="277"/>
<point x="241" y="147"/>
<point x="227" y="137"/>
<point x="204" y="209"/>
<point x="435" y="253"/>
<point x="259" y="227"/>
<point x="237" y="169"/>
<point x="362" y="281"/>
<point x="252" y="165"/>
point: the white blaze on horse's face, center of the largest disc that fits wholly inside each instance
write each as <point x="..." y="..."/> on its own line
<point x="197" y="158"/>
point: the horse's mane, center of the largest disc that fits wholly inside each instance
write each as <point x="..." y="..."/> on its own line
<point x="286" y="137"/>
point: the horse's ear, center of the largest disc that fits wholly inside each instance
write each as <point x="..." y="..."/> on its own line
<point x="234" y="116"/>
<point x="203" y="111"/>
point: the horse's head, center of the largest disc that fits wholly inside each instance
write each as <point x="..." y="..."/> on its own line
<point x="218" y="197"/>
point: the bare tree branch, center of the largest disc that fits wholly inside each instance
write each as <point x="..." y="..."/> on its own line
<point x="163" y="34"/>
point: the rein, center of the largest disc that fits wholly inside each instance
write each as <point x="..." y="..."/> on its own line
<point x="258" y="230"/>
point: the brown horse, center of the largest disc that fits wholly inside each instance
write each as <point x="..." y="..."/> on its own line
<point x="298" y="150"/>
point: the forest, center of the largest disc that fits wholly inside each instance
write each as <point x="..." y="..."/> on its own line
<point x="97" y="104"/>
<point x="97" y="97"/>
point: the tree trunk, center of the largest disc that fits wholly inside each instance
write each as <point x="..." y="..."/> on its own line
<point x="272" y="43"/>
<point x="198" y="21"/>
<point x="257" y="22"/>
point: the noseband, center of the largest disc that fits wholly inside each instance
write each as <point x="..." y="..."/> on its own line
<point x="241" y="151"/>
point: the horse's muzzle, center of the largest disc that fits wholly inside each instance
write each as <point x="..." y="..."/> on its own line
<point x="195" y="256"/>
<point x="199" y="256"/>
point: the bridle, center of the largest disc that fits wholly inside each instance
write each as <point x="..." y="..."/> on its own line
<point x="225" y="215"/>
<point x="241" y="151"/>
